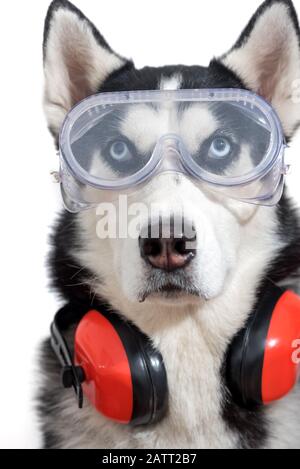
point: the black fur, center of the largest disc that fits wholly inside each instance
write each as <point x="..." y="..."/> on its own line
<point x="70" y="280"/>
<point x="148" y="78"/>
<point x="251" y="425"/>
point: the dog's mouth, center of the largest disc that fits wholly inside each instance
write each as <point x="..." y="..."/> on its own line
<point x="169" y="287"/>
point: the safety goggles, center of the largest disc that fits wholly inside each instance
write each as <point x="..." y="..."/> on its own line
<point x="227" y="140"/>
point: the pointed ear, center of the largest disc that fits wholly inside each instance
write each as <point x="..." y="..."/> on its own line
<point x="77" y="60"/>
<point x="267" y="59"/>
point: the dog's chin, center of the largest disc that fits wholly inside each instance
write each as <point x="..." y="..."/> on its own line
<point x="171" y="296"/>
<point x="174" y="301"/>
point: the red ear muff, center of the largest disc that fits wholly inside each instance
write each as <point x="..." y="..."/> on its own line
<point x="125" y="378"/>
<point x="281" y="368"/>
<point x="261" y="365"/>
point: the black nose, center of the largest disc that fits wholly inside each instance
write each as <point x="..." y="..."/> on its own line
<point x="170" y="253"/>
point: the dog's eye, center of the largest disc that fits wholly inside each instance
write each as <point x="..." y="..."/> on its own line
<point x="220" y="148"/>
<point x="218" y="152"/>
<point x="119" y="151"/>
<point x="122" y="156"/>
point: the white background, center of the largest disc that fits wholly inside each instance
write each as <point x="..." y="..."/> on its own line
<point x="152" y="33"/>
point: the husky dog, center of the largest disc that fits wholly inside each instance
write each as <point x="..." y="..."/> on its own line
<point x="239" y="246"/>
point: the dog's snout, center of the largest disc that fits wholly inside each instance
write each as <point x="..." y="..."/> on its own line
<point x="168" y="253"/>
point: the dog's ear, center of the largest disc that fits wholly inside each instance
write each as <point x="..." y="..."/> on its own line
<point x="267" y="59"/>
<point x="77" y="60"/>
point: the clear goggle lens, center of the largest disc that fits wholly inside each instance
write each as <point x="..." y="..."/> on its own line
<point x="229" y="139"/>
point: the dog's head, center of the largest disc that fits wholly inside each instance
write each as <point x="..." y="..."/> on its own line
<point x="230" y="238"/>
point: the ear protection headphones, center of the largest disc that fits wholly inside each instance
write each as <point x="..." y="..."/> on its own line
<point x="118" y="369"/>
<point x="115" y="365"/>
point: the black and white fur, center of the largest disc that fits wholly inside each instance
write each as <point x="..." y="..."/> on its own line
<point x="240" y="246"/>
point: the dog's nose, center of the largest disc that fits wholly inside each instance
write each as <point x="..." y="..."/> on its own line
<point x="168" y="254"/>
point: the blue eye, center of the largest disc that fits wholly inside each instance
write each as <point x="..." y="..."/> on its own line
<point x="119" y="151"/>
<point x="220" y="148"/>
<point x="122" y="156"/>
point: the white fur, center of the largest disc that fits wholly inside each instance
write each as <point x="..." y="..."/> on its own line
<point x="75" y="65"/>
<point x="171" y="83"/>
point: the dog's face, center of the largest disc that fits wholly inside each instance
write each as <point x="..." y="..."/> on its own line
<point x="226" y="234"/>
